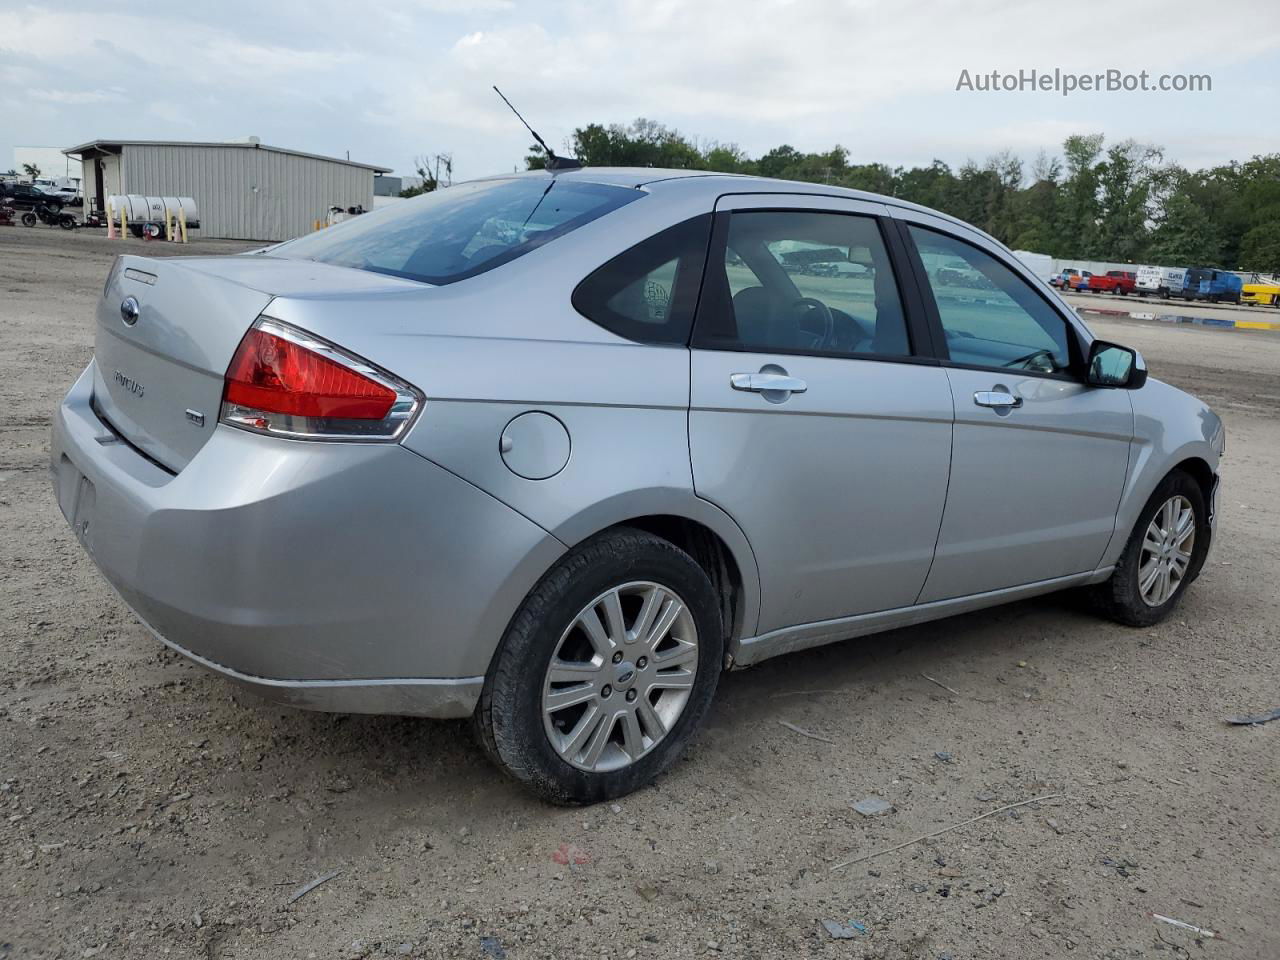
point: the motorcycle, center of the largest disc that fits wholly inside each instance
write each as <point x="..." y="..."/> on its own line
<point x="46" y="214"/>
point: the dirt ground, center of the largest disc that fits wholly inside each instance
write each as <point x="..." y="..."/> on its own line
<point x="148" y="809"/>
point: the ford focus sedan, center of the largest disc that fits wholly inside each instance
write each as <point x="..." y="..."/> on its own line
<point x="553" y="451"/>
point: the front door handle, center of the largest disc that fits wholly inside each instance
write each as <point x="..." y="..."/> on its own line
<point x="998" y="399"/>
<point x="767" y="383"/>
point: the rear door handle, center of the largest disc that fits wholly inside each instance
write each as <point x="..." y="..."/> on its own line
<point x="997" y="398"/>
<point x="767" y="383"/>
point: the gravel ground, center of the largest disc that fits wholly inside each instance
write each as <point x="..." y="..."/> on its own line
<point x="149" y="809"/>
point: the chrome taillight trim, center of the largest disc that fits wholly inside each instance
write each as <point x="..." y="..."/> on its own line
<point x="408" y="404"/>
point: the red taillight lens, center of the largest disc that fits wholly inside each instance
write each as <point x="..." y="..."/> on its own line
<point x="287" y="382"/>
<point x="271" y="374"/>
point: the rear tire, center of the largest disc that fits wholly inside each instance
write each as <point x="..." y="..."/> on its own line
<point x="1160" y="558"/>
<point x="518" y="717"/>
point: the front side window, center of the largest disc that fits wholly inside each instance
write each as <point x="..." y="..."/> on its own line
<point x="648" y="293"/>
<point x="990" y="315"/>
<point x="460" y="231"/>
<point x="803" y="282"/>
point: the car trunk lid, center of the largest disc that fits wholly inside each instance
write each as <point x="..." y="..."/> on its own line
<point x="168" y="328"/>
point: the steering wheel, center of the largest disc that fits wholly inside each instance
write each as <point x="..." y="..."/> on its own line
<point x="827" y="339"/>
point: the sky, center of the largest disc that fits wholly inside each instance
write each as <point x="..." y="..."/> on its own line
<point x="394" y="80"/>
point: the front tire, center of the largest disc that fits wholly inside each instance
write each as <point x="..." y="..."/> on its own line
<point x="606" y="670"/>
<point x="1164" y="553"/>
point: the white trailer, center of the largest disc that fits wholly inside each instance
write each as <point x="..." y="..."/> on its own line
<point x="1041" y="264"/>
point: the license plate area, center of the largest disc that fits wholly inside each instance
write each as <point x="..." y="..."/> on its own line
<point x="78" y="500"/>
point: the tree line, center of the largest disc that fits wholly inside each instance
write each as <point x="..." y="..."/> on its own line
<point x="1121" y="202"/>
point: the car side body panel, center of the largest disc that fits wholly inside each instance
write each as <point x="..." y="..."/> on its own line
<point x="629" y="446"/>
<point x="1170" y="427"/>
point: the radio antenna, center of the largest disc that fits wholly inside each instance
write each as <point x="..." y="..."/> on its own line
<point x="554" y="163"/>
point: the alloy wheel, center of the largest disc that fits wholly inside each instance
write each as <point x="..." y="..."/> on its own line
<point x="1167" y="547"/>
<point x="620" y="677"/>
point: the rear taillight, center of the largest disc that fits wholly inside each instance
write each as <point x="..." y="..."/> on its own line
<point x="286" y="382"/>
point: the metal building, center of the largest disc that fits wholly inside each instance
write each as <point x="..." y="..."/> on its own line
<point x="246" y="190"/>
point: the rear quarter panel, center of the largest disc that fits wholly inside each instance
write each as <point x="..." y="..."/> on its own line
<point x="487" y="349"/>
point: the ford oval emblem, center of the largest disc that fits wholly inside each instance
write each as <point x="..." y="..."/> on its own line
<point x="129" y="311"/>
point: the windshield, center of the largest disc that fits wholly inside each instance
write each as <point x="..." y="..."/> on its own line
<point x="461" y="231"/>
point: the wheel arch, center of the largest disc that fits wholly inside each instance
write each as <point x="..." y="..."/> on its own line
<point x="706" y="533"/>
<point x="1200" y="471"/>
<point x="714" y="556"/>
<point x="1196" y="459"/>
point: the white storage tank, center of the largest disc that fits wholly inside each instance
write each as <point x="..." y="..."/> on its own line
<point x="140" y="209"/>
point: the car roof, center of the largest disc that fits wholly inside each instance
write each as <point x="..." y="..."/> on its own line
<point x="654" y="179"/>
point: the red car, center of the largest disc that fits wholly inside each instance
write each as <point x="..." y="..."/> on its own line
<point x="1115" y="281"/>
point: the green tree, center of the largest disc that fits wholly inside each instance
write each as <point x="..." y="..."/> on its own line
<point x="1258" y="214"/>
<point x="645" y="143"/>
<point x="31" y="170"/>
<point x="1185" y="235"/>
<point x="778" y="160"/>
<point x="435" y="172"/>
<point x="1260" y="248"/>
<point x="931" y="186"/>
<point x="726" y="158"/>
<point x="1119" y="202"/>
<point x="1079" y="209"/>
<point x="1035" y="209"/>
<point x="872" y="177"/>
<point x="1125" y="178"/>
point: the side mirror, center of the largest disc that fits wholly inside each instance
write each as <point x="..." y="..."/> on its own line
<point x="1111" y="365"/>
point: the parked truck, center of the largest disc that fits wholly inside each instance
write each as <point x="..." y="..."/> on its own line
<point x="1216" y="286"/>
<point x="1113" y="281"/>
<point x="1159" y="281"/>
<point x="1079" y="281"/>
<point x="1063" y="279"/>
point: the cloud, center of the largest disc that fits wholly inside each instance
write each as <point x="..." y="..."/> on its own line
<point x="77" y="97"/>
<point x="406" y="77"/>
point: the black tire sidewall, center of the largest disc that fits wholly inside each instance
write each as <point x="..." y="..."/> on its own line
<point x="515" y="695"/>
<point x="1126" y="593"/>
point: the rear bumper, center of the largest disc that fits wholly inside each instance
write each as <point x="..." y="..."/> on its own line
<point x="431" y="697"/>
<point x="351" y="577"/>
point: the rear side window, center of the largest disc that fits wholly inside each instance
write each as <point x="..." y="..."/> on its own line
<point x="648" y="293"/>
<point x="803" y="282"/>
<point x="461" y="231"/>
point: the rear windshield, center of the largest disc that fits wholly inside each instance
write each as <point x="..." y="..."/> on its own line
<point x="461" y="231"/>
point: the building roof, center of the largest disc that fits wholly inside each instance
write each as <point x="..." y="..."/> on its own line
<point x="114" y="146"/>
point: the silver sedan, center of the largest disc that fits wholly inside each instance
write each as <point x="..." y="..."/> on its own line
<point x="553" y="451"/>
